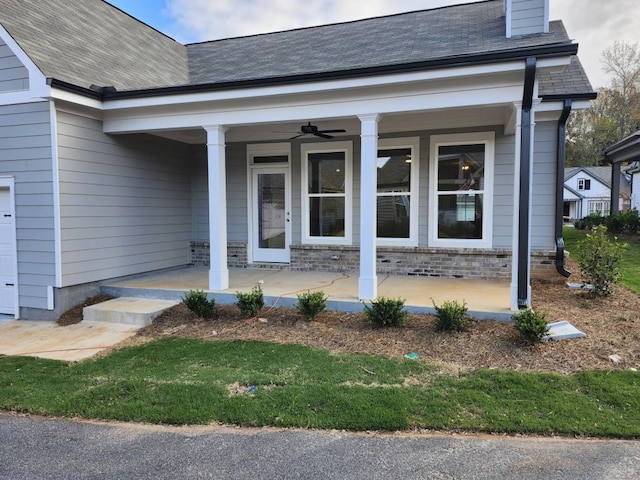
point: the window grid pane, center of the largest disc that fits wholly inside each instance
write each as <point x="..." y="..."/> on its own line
<point x="460" y="191"/>
<point x="393" y="193"/>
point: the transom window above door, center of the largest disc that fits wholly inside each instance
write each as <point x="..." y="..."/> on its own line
<point x="326" y="192"/>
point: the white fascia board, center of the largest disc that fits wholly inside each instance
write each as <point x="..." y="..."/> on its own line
<point x="38" y="88"/>
<point x="76" y="99"/>
<point x="320" y="86"/>
<point x="296" y="109"/>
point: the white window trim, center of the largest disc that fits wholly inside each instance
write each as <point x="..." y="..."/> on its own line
<point x="488" y="139"/>
<point x="305" y="150"/>
<point x="263" y="150"/>
<point x="414" y="144"/>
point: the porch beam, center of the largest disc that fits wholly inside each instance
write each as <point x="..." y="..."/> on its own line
<point x="368" y="281"/>
<point x="614" y="205"/>
<point x="218" y="270"/>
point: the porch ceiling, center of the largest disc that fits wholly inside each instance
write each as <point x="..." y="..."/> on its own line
<point x="389" y="123"/>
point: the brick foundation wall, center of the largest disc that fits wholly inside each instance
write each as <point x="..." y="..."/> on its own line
<point x="413" y="261"/>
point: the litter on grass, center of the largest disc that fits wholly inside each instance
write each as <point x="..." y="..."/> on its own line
<point x="412" y="355"/>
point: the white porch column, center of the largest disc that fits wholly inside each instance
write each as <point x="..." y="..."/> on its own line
<point x="368" y="281"/>
<point x="516" y="209"/>
<point x="218" y="271"/>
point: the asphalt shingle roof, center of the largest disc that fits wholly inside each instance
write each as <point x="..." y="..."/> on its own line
<point x="86" y="42"/>
<point x="467" y="29"/>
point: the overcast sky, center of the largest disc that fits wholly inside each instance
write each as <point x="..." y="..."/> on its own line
<point x="594" y="24"/>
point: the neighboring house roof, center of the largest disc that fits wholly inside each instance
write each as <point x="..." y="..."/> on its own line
<point x="627" y="149"/>
<point x="601" y="174"/>
<point x="574" y="192"/>
<point x="88" y="42"/>
<point x="85" y="42"/>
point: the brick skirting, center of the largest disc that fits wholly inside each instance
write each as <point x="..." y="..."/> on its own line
<point x="412" y="261"/>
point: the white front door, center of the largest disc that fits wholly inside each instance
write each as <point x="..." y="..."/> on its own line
<point x="271" y="213"/>
<point x="8" y="277"/>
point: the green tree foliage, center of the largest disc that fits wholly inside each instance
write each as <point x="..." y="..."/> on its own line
<point x="614" y="115"/>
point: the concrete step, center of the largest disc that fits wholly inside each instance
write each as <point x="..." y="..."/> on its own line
<point x="131" y="311"/>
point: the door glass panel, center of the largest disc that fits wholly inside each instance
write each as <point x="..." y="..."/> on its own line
<point x="271" y="210"/>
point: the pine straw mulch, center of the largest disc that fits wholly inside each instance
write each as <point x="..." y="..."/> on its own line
<point x="612" y="326"/>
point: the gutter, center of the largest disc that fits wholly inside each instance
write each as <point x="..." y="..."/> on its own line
<point x="560" y="159"/>
<point x="524" y="203"/>
<point x="545" y="51"/>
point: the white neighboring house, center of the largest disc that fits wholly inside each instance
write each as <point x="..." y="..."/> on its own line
<point x="587" y="190"/>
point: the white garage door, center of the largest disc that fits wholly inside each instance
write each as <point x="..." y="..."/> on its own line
<point x="8" y="277"/>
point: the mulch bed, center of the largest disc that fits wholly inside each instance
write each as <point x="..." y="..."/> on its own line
<point x="612" y="326"/>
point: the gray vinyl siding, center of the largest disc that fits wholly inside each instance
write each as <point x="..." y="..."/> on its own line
<point x="13" y="75"/>
<point x="503" y="191"/>
<point x="125" y="202"/>
<point x="236" y="165"/>
<point x="236" y="169"/>
<point x="544" y="185"/>
<point x="25" y="154"/>
<point x="527" y="16"/>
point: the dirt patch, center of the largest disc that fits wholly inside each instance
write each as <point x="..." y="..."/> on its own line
<point x="74" y="314"/>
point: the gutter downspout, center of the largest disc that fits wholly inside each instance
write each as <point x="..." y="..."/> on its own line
<point x="524" y="203"/>
<point x="562" y="133"/>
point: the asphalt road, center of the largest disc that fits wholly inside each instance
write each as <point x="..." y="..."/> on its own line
<point x="36" y="448"/>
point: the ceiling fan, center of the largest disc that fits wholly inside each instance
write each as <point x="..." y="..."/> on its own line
<point x="309" y="129"/>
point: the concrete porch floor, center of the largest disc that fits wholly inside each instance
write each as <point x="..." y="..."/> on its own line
<point x="485" y="299"/>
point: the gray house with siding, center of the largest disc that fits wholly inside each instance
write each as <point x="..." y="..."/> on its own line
<point x="424" y="143"/>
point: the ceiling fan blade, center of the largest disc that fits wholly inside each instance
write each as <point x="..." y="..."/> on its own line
<point x="298" y="136"/>
<point x="339" y="130"/>
<point x="322" y="135"/>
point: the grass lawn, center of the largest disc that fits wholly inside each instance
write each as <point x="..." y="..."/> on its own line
<point x="630" y="265"/>
<point x="187" y="381"/>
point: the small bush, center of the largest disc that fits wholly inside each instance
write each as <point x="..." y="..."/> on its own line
<point x="621" y="222"/>
<point x="386" y="312"/>
<point x="250" y="303"/>
<point x="452" y="316"/>
<point x="311" y="304"/>
<point x="599" y="259"/>
<point x="197" y="302"/>
<point x="531" y="325"/>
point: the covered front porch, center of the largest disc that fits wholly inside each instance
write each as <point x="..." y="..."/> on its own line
<point x="485" y="300"/>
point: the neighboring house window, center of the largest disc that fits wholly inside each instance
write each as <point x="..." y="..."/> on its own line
<point x="599" y="207"/>
<point x="326" y="192"/>
<point x="584" y="184"/>
<point x="461" y="171"/>
<point x="397" y="187"/>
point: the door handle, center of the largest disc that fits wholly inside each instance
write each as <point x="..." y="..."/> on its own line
<point x="9" y="285"/>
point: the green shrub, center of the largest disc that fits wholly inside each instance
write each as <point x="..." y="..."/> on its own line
<point x="198" y="303"/>
<point x="311" y="304"/>
<point x="386" y="312"/>
<point x="621" y="222"/>
<point x="531" y="325"/>
<point x="452" y="316"/>
<point x="250" y="303"/>
<point x="599" y="257"/>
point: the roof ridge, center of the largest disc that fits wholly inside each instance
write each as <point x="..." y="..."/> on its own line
<point x="150" y="27"/>
<point x="348" y="22"/>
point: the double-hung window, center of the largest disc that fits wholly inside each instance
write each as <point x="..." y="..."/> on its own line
<point x="461" y="181"/>
<point x="584" y="184"/>
<point x="327" y="192"/>
<point x="397" y="187"/>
